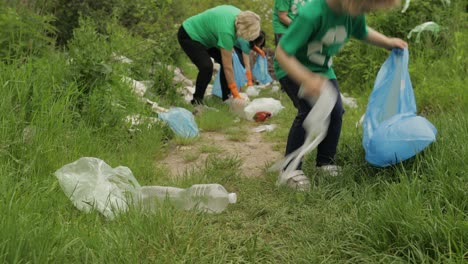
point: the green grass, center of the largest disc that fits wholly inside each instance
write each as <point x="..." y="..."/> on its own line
<point x="210" y="149"/>
<point x="414" y="212"/>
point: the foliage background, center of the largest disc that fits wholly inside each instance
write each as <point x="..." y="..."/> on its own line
<point x="63" y="98"/>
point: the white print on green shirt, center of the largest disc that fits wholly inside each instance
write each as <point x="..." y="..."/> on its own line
<point x="315" y="49"/>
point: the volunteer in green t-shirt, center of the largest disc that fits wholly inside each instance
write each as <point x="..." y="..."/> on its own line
<point x="243" y="49"/>
<point x="212" y="34"/>
<point x="284" y="12"/>
<point x="304" y="57"/>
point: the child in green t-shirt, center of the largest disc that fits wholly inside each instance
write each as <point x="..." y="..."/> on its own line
<point x="284" y="12"/>
<point x="304" y="57"/>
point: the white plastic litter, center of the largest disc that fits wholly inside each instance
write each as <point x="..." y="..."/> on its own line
<point x="252" y="91"/>
<point x="91" y="184"/>
<point x="237" y="106"/>
<point x="275" y="88"/>
<point x="316" y="127"/>
<point x="262" y="105"/>
<point x="264" y="128"/>
<point x="211" y="198"/>
<point x="349" y="101"/>
<point x="405" y="7"/>
<point x="427" y="26"/>
<point x="139" y="87"/>
<point x="180" y="78"/>
<point x="137" y="120"/>
<point x="121" y="58"/>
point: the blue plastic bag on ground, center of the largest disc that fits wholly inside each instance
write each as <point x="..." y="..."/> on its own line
<point x="260" y="70"/>
<point x="392" y="130"/>
<point x="239" y="75"/>
<point x="181" y="122"/>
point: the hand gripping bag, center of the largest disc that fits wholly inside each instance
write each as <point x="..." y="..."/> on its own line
<point x="239" y="76"/>
<point x="392" y="130"/>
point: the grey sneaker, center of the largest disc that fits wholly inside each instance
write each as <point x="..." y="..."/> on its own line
<point x="298" y="181"/>
<point x="332" y="170"/>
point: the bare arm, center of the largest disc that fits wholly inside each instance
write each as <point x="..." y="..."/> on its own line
<point x="312" y="82"/>
<point x="246" y="59"/>
<point x="380" y="40"/>
<point x="226" y="58"/>
<point x="283" y="17"/>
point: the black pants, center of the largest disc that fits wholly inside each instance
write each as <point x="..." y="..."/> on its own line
<point x="277" y="38"/>
<point x="200" y="56"/>
<point x="327" y="148"/>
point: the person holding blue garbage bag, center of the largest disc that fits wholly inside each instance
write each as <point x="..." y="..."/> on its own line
<point x="243" y="48"/>
<point x="212" y="34"/>
<point x="304" y="57"/>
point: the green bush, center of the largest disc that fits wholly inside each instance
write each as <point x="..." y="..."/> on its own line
<point x="24" y="33"/>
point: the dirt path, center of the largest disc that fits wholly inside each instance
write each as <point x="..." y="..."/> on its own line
<point x="254" y="153"/>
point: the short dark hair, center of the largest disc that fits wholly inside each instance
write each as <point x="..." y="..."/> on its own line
<point x="259" y="41"/>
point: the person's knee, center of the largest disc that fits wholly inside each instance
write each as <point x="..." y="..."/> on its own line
<point x="206" y="67"/>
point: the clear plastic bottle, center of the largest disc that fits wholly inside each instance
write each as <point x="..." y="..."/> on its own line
<point x="211" y="198"/>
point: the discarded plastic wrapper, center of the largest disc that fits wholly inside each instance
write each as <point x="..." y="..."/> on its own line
<point x="252" y="91"/>
<point x="427" y="26"/>
<point x="316" y="127"/>
<point x="91" y="184"/>
<point x="270" y="105"/>
<point x="392" y="132"/>
<point x="181" y="122"/>
<point x="263" y="128"/>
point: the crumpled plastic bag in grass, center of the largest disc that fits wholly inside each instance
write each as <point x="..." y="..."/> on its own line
<point x="427" y="26"/>
<point x="92" y="184"/>
<point x="181" y="121"/>
<point x="270" y="105"/>
<point x="392" y="130"/>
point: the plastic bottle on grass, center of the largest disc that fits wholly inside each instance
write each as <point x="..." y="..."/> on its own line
<point x="212" y="198"/>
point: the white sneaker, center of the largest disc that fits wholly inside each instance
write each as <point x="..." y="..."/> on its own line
<point x="298" y="181"/>
<point x="332" y="170"/>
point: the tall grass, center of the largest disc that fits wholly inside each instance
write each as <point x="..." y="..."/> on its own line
<point x="413" y="212"/>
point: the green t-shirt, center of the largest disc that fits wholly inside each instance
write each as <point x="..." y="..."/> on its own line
<point x="214" y="27"/>
<point x="317" y="34"/>
<point x="292" y="6"/>
<point x="244" y="45"/>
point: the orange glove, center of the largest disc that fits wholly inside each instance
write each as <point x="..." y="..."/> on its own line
<point x="233" y="88"/>
<point x="249" y="78"/>
<point x="259" y="51"/>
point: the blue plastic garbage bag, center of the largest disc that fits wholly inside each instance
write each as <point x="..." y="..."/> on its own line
<point x="260" y="70"/>
<point x="239" y="75"/>
<point x="392" y="130"/>
<point x="181" y="122"/>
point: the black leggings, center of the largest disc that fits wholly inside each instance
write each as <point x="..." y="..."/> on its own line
<point x="200" y="56"/>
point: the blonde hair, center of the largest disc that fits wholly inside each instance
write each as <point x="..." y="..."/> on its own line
<point x="247" y="25"/>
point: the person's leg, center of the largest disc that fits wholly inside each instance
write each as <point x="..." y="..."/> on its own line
<point x="296" y="134"/>
<point x="215" y="53"/>
<point x="200" y="57"/>
<point x="326" y="150"/>
<point x="277" y="38"/>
